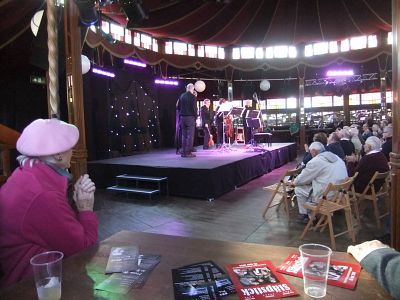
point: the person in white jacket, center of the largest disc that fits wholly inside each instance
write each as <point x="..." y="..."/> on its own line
<point x="324" y="168"/>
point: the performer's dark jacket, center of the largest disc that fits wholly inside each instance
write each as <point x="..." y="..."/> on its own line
<point x="205" y="115"/>
<point x="187" y="104"/>
<point x="366" y="168"/>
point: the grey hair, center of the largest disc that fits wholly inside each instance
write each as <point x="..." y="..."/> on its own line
<point x="354" y="131"/>
<point x="345" y="133"/>
<point x="374" y="142"/>
<point x="317" y="146"/>
<point x="23" y="159"/>
<point x="189" y="87"/>
<point x="389" y="130"/>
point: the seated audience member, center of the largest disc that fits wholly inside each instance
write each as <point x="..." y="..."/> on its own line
<point x="334" y="145"/>
<point x="374" y="160"/>
<point x="324" y="168"/>
<point x="387" y="137"/>
<point x="35" y="213"/>
<point x="382" y="262"/>
<point x="318" y="137"/>
<point x="366" y="132"/>
<point x="356" y="140"/>
<point x="376" y="131"/>
<point x="347" y="145"/>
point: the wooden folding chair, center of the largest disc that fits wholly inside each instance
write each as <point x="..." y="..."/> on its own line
<point x="371" y="194"/>
<point x="354" y="203"/>
<point x="334" y="198"/>
<point x="282" y="192"/>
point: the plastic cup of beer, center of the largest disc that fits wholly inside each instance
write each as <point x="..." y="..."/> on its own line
<point x="315" y="259"/>
<point x="47" y="270"/>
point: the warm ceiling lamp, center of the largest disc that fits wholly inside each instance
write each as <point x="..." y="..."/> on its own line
<point x="134" y="11"/>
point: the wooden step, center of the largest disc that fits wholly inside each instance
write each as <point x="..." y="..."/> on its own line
<point x="141" y="178"/>
<point x="135" y="190"/>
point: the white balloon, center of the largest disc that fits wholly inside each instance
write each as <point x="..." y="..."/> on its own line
<point x="85" y="64"/>
<point x="265" y="85"/>
<point x="199" y="86"/>
<point x="35" y="21"/>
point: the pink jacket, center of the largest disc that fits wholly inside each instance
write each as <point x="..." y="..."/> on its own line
<point x="35" y="217"/>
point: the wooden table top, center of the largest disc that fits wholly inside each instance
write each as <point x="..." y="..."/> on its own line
<point x="80" y="270"/>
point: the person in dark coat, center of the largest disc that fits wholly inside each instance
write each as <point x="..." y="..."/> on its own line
<point x="387" y="145"/>
<point x="219" y="121"/>
<point x="205" y="117"/>
<point x="345" y="142"/>
<point x="382" y="262"/>
<point x="188" y="111"/>
<point x="334" y="145"/>
<point x="374" y="160"/>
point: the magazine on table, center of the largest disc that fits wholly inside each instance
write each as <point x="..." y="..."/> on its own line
<point x="258" y="280"/>
<point x="203" y="280"/>
<point x="341" y="274"/>
<point x="128" y="270"/>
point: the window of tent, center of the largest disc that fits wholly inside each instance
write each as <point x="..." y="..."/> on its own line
<point x="136" y="39"/>
<point x="269" y="52"/>
<point x="191" y="50"/>
<point x="278" y="103"/>
<point x="320" y="48"/>
<point x="371" y="98"/>
<point x="211" y="51"/>
<point x="354" y="99"/>
<point x="321" y="101"/>
<point x="236" y="53"/>
<point x="259" y="53"/>
<point x="292" y="52"/>
<point x="221" y="53"/>
<point x="247" y="52"/>
<point x="338" y="101"/>
<point x="128" y="36"/>
<point x="308" y="50"/>
<point x="117" y="32"/>
<point x="281" y="51"/>
<point x="105" y="26"/>
<point x="389" y="97"/>
<point x="372" y="41"/>
<point x="145" y="41"/>
<point x="390" y="38"/>
<point x="180" y="48"/>
<point x="359" y="42"/>
<point x="200" y="51"/>
<point x="168" y="47"/>
<point x="155" y="45"/>
<point x="345" y="45"/>
<point x="333" y="47"/>
<point x="291" y="102"/>
<point x="307" y="102"/>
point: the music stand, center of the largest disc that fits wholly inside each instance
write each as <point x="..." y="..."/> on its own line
<point x="236" y="112"/>
<point x="253" y="123"/>
<point x="225" y="109"/>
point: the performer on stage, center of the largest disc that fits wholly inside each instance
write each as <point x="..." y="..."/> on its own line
<point x="178" y="131"/>
<point x="188" y="112"/>
<point x="219" y="121"/>
<point x="205" y="117"/>
<point x="247" y="130"/>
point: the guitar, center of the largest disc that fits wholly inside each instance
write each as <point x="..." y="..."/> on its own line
<point x="210" y="140"/>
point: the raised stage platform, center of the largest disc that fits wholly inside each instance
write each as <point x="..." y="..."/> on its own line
<point x="209" y="175"/>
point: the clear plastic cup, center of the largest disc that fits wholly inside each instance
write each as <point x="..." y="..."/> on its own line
<point x="47" y="270"/>
<point x="315" y="261"/>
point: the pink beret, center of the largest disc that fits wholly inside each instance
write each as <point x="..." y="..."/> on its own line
<point x="47" y="137"/>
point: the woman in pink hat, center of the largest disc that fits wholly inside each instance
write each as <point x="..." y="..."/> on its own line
<point x="35" y="213"/>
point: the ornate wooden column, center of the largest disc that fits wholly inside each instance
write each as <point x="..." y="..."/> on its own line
<point x="383" y="62"/>
<point x="300" y="104"/>
<point x="395" y="155"/>
<point x="346" y="108"/>
<point x="73" y="67"/>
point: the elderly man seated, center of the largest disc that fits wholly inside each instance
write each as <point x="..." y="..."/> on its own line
<point x="324" y="168"/>
<point x="374" y="160"/>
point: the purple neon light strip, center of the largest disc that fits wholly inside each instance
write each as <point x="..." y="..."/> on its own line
<point x="102" y="72"/>
<point x="338" y="73"/>
<point x="166" y="82"/>
<point x="134" y="63"/>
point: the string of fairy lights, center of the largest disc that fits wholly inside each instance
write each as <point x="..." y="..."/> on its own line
<point x="133" y="119"/>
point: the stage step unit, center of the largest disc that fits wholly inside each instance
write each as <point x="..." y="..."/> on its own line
<point x="124" y="179"/>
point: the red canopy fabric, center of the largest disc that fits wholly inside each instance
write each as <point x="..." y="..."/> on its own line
<point x="259" y="22"/>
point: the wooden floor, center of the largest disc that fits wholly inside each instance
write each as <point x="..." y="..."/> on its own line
<point x="235" y="216"/>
